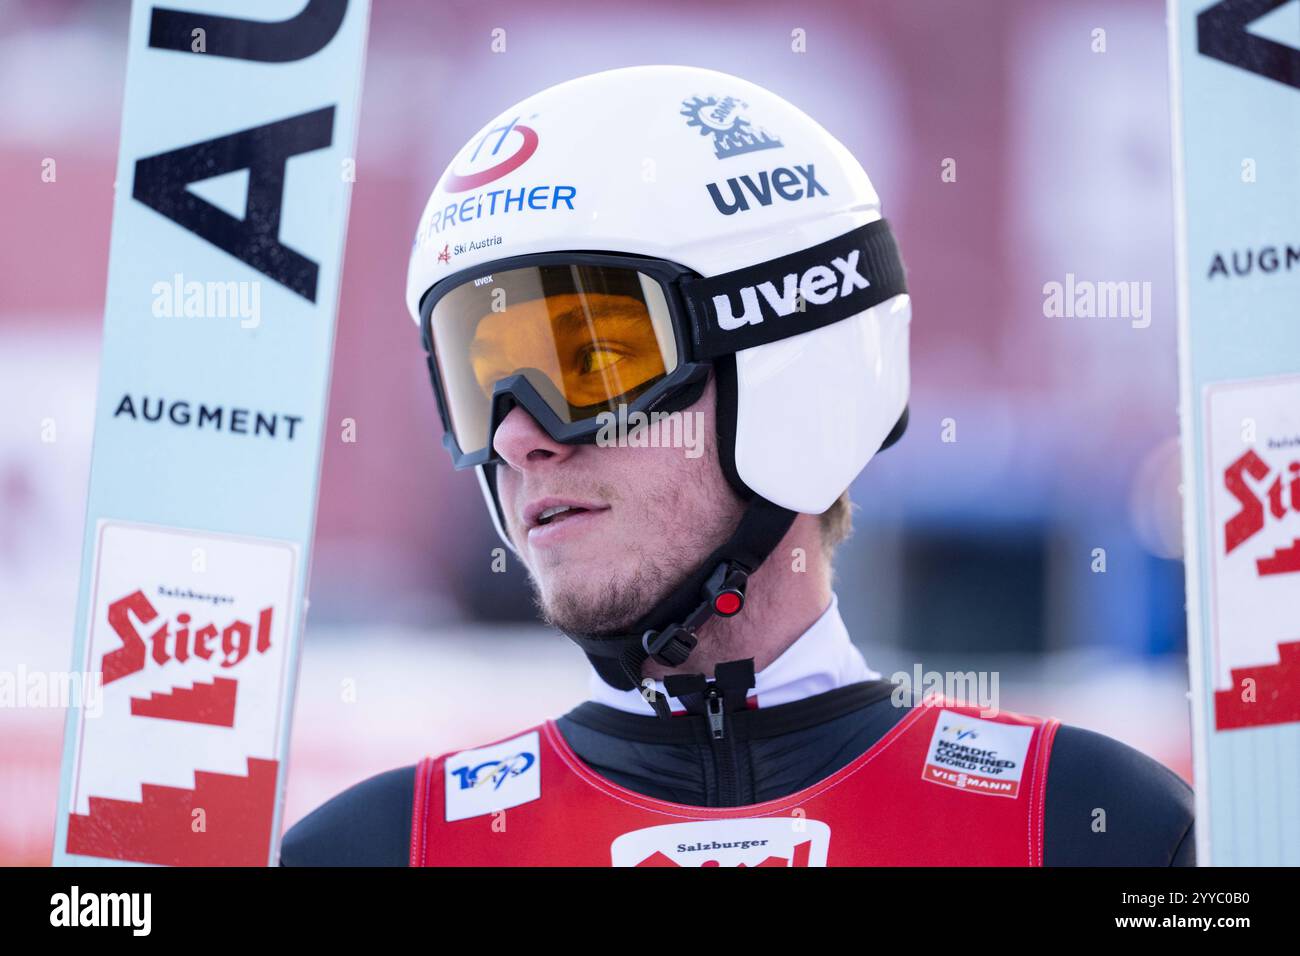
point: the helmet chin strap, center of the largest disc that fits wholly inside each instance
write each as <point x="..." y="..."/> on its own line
<point x="667" y="632"/>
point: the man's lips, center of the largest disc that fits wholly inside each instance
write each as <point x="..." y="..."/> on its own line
<point x="545" y="512"/>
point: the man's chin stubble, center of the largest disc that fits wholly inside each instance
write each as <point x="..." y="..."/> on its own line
<point x="609" y="609"/>
<point x="661" y="563"/>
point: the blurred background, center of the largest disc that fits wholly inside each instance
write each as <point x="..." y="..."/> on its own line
<point x="979" y="553"/>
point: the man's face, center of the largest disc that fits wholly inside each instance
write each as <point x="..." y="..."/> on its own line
<point x="642" y="518"/>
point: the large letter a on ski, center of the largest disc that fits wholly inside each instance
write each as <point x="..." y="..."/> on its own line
<point x="161" y="180"/>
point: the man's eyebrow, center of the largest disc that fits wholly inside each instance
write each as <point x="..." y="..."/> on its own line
<point x="572" y="319"/>
<point x="576" y="318"/>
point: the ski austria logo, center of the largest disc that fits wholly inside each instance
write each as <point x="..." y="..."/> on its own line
<point x="749" y="842"/>
<point x="976" y="755"/>
<point x="505" y="153"/>
<point x="733" y="134"/>
<point x="487" y="779"/>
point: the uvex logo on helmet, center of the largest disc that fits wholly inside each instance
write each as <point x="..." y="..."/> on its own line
<point x="781" y="183"/>
<point x="819" y="285"/>
<point x="506" y="163"/>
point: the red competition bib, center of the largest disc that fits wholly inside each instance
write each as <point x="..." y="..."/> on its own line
<point x="944" y="787"/>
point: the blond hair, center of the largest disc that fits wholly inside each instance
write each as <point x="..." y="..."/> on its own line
<point x="836" y="523"/>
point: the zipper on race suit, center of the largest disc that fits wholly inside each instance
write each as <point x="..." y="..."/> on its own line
<point x="708" y="699"/>
<point x="724" y="749"/>
<point x="717" y="717"/>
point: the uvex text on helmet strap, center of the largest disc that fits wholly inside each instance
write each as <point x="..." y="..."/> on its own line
<point x="668" y="632"/>
<point x="794" y="293"/>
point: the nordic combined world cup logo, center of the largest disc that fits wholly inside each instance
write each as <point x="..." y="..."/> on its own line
<point x="722" y="119"/>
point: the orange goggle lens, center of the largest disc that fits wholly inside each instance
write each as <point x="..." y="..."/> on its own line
<point x="587" y="338"/>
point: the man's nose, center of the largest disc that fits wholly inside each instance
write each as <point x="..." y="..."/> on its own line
<point x="521" y="442"/>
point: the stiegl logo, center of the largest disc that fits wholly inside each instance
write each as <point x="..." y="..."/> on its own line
<point x="818" y="285"/>
<point x="1278" y="503"/>
<point x="181" y="642"/>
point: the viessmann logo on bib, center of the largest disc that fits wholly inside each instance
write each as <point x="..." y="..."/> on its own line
<point x="760" y="841"/>
<point x="980" y="756"/>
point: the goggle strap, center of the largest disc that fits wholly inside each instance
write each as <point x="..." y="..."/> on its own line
<point x="796" y="293"/>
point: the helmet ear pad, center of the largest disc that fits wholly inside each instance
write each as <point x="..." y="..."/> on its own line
<point x="804" y="414"/>
<point x="725" y="384"/>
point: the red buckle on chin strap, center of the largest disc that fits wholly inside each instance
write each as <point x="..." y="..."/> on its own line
<point x="726" y="590"/>
<point x="724" y="594"/>
<point x="728" y="602"/>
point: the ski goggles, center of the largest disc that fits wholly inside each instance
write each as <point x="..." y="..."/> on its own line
<point x="575" y="337"/>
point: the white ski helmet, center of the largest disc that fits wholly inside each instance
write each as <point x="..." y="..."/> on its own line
<point x="749" y="238"/>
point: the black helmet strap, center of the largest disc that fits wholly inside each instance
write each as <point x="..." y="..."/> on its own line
<point x="667" y="633"/>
